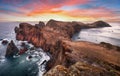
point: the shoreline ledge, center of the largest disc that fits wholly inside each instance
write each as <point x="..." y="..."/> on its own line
<point x="55" y="37"/>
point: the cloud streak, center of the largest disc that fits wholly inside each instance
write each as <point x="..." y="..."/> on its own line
<point x="86" y="10"/>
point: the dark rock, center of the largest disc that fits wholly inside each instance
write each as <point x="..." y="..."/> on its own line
<point x="23" y="44"/>
<point x="11" y="50"/>
<point x="32" y="48"/>
<point x="16" y="29"/>
<point x="22" y="51"/>
<point x="43" y="62"/>
<point x="30" y="57"/>
<point x="4" y="42"/>
<point x="100" y="24"/>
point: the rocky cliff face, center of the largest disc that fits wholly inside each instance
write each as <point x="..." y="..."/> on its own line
<point x="55" y="38"/>
<point x="79" y="69"/>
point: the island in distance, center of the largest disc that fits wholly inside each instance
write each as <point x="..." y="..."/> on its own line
<point x="68" y="57"/>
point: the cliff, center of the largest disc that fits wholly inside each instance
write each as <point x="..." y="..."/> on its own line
<point x="79" y="69"/>
<point x="55" y="38"/>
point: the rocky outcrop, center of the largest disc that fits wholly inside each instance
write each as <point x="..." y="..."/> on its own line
<point x="79" y="69"/>
<point x="55" y="38"/>
<point x="11" y="50"/>
<point x="99" y="24"/>
<point x="5" y="42"/>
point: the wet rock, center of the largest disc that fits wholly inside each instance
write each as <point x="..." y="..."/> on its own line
<point x="5" y="42"/>
<point x="23" y="44"/>
<point x="30" y="57"/>
<point x="16" y="29"/>
<point x="44" y="62"/>
<point x="32" y="48"/>
<point x="23" y="48"/>
<point x="22" y="51"/>
<point x="11" y="50"/>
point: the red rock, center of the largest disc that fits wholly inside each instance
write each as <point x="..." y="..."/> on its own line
<point x="22" y="51"/>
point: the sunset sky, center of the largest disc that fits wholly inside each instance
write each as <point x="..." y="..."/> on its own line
<point x="64" y="10"/>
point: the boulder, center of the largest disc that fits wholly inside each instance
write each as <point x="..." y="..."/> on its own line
<point x="16" y="29"/>
<point x="5" y="42"/>
<point x="23" y="49"/>
<point x="11" y="50"/>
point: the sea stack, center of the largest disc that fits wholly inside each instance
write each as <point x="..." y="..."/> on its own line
<point x="11" y="50"/>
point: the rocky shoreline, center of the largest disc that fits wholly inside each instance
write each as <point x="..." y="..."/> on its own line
<point x="69" y="58"/>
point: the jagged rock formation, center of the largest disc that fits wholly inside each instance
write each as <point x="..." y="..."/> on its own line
<point x="11" y="50"/>
<point x="55" y="38"/>
<point x="79" y="69"/>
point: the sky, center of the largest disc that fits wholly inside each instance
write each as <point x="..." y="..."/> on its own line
<point x="63" y="10"/>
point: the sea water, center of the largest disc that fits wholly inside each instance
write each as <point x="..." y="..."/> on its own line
<point x="20" y="65"/>
<point x="97" y="35"/>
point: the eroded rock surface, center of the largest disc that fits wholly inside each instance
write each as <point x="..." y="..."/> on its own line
<point x="79" y="69"/>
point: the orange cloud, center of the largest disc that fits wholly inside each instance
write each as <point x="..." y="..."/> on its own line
<point x="96" y="12"/>
<point x="45" y="6"/>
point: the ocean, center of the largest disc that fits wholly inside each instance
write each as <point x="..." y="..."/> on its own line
<point x="21" y="66"/>
<point x="97" y="35"/>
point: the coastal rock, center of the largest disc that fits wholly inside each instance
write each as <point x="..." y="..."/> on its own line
<point x="23" y="48"/>
<point x="16" y="29"/>
<point x="79" y="69"/>
<point x="5" y="42"/>
<point x="11" y="50"/>
<point x="100" y="24"/>
<point x="55" y="38"/>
